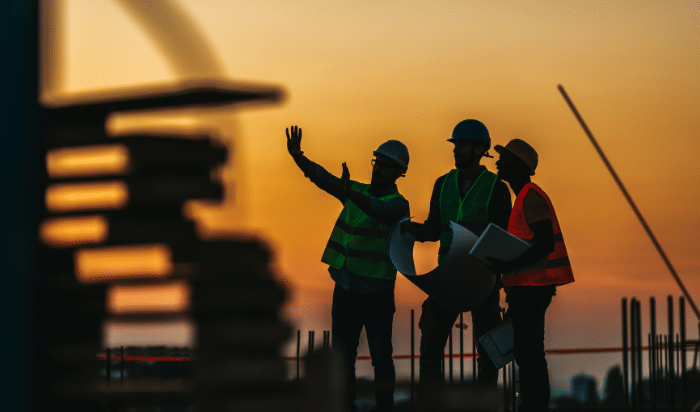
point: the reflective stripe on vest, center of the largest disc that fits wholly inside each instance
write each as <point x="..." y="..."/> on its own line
<point x="555" y="269"/>
<point x="471" y="211"/>
<point x="360" y="241"/>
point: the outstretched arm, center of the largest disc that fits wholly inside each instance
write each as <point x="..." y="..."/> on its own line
<point x="294" y="149"/>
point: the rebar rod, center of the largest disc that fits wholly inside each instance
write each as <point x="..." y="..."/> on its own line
<point x="461" y="347"/>
<point x="631" y="202"/>
<point x="684" y="376"/>
<point x="413" y="352"/>
<point x="625" y="365"/>
<point x="671" y="366"/>
<point x="652" y="352"/>
<point x="450" y="356"/>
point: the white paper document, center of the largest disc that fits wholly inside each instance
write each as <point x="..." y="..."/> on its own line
<point x="460" y="282"/>
<point x="498" y="343"/>
<point x="497" y="243"/>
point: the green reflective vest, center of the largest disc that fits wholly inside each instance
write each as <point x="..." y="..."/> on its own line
<point x="470" y="211"/>
<point x="361" y="240"/>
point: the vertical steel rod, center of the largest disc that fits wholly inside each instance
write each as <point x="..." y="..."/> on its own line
<point x="506" y="398"/>
<point x="298" y="352"/>
<point x="311" y="343"/>
<point x="473" y="353"/>
<point x="671" y="368"/>
<point x="650" y="360"/>
<point x="633" y="354"/>
<point x="461" y="347"/>
<point x="121" y="365"/>
<point x="513" y="404"/>
<point x="681" y="327"/>
<point x="449" y="351"/>
<point x="665" y="373"/>
<point x="413" y="352"/>
<point x="109" y="365"/>
<point x="640" y="388"/>
<point x="625" y="366"/>
<point x="660" y="383"/>
<point x="652" y="352"/>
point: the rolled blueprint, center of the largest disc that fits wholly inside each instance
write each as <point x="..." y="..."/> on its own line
<point x="460" y="282"/>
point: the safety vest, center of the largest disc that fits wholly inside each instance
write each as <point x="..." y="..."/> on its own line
<point x="471" y="211"/>
<point x="555" y="269"/>
<point x="360" y="240"/>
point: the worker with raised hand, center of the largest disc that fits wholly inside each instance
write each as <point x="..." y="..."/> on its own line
<point x="359" y="263"/>
<point x="530" y="280"/>
<point x="473" y="197"/>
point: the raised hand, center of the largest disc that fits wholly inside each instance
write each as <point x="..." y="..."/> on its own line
<point x="294" y="141"/>
<point x="344" y="180"/>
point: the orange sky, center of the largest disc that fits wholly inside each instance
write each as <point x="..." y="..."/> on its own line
<point x="356" y="74"/>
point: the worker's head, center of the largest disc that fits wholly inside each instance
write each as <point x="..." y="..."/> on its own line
<point x="472" y="142"/>
<point x="516" y="160"/>
<point x="390" y="162"/>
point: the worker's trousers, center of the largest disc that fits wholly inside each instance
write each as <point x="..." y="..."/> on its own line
<point x="436" y="323"/>
<point x="375" y="312"/>
<point x="526" y="307"/>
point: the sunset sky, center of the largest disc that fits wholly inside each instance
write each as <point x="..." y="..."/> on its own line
<point x="357" y="73"/>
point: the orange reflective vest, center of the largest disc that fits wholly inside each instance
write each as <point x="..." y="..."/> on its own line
<point x="555" y="269"/>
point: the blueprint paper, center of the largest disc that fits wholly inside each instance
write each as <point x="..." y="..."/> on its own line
<point x="497" y="243"/>
<point x="460" y="282"/>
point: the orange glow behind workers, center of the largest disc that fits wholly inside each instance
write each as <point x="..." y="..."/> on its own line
<point x="358" y="74"/>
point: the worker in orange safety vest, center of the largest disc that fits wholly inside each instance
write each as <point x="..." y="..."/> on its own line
<point x="530" y="280"/>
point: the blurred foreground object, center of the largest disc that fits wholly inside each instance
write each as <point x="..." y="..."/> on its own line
<point x="112" y="223"/>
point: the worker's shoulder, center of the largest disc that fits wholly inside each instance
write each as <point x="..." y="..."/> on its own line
<point x="439" y="180"/>
<point x="501" y="186"/>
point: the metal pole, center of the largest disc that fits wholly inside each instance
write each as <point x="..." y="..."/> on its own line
<point x="666" y="376"/>
<point x="413" y="352"/>
<point x="121" y="365"/>
<point x="312" y="338"/>
<point x="506" y="398"/>
<point x="449" y="351"/>
<point x="660" y="383"/>
<point x="640" y="388"/>
<point x="473" y="353"/>
<point x="651" y="375"/>
<point x="625" y="366"/>
<point x="652" y="352"/>
<point x="298" y="352"/>
<point x="513" y="404"/>
<point x="671" y="368"/>
<point x="633" y="354"/>
<point x="684" y="376"/>
<point x="461" y="347"/>
<point x="631" y="202"/>
<point x="109" y="365"/>
<point x="442" y="364"/>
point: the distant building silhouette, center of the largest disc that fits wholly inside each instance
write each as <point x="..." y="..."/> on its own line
<point x="614" y="389"/>
<point x="585" y="389"/>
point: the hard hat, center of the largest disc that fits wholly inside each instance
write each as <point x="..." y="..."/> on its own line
<point x="521" y="149"/>
<point x="395" y="150"/>
<point x="471" y="129"/>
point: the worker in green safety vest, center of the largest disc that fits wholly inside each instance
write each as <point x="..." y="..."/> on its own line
<point x="358" y="262"/>
<point x="473" y="197"/>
